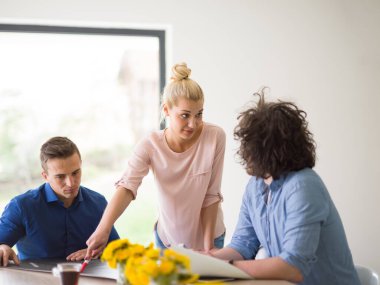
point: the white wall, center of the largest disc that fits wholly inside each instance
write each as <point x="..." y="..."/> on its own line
<point x="324" y="55"/>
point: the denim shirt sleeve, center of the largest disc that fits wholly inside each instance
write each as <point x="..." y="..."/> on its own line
<point x="244" y="239"/>
<point x="11" y="224"/>
<point x="307" y="208"/>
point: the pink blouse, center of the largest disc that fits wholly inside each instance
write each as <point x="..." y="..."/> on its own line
<point x="187" y="182"/>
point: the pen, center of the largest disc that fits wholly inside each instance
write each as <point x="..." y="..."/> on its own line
<point x="84" y="264"/>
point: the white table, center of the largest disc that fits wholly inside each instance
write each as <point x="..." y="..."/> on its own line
<point x="18" y="277"/>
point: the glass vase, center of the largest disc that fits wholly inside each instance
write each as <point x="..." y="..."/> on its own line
<point x="121" y="279"/>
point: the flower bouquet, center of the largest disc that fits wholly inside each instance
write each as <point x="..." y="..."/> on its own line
<point x="139" y="265"/>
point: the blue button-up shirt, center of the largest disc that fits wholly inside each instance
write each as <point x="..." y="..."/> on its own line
<point x="41" y="227"/>
<point x="294" y="218"/>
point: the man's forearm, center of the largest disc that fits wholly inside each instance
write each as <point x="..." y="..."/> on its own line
<point x="270" y="268"/>
<point x="267" y="268"/>
<point x="227" y="253"/>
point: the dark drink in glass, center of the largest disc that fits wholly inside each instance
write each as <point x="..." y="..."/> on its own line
<point x="69" y="277"/>
<point x="68" y="272"/>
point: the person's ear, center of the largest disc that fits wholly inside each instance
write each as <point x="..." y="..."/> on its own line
<point x="165" y="108"/>
<point x="44" y="174"/>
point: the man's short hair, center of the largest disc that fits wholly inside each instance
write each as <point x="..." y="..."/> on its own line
<point x="57" y="147"/>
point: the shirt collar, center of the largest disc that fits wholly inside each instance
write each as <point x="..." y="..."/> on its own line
<point x="52" y="197"/>
<point x="277" y="184"/>
<point x="274" y="186"/>
<point x="50" y="194"/>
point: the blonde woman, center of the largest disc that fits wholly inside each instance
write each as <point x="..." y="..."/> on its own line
<point x="186" y="159"/>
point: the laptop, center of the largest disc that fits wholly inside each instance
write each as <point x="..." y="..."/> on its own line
<point x="95" y="268"/>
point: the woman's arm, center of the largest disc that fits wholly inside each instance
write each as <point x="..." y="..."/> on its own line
<point x="208" y="219"/>
<point x="98" y="240"/>
<point x="213" y="196"/>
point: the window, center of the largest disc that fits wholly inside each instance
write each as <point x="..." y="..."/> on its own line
<point x="98" y="86"/>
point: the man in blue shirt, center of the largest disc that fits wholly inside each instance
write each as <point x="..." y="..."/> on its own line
<point x="286" y="208"/>
<point x="55" y="219"/>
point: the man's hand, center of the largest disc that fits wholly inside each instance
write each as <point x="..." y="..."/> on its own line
<point x="78" y="255"/>
<point x="7" y="254"/>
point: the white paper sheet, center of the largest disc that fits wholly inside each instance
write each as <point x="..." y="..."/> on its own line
<point x="205" y="265"/>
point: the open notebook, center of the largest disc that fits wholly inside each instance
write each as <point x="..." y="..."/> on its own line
<point x="95" y="268"/>
<point x="207" y="266"/>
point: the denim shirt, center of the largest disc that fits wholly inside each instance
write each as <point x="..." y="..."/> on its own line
<point x="295" y="219"/>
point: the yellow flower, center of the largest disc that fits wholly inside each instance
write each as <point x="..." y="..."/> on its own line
<point x="122" y="254"/>
<point x="179" y="258"/>
<point x="152" y="253"/>
<point x="145" y="263"/>
<point x="143" y="278"/>
<point x="112" y="263"/>
<point x="166" y="267"/>
<point x="150" y="267"/>
<point x="113" y="247"/>
<point x="137" y="249"/>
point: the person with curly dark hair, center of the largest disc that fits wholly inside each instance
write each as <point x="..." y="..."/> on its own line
<point x="286" y="208"/>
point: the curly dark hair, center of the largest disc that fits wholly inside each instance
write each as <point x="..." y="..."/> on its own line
<point x="274" y="138"/>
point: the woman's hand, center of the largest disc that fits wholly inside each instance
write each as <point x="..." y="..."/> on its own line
<point x="96" y="244"/>
<point x="210" y="252"/>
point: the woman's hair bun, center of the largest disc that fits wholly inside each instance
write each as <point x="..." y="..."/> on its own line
<point x="180" y="71"/>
